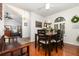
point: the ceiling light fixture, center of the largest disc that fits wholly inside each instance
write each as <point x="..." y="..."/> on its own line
<point x="47" y="6"/>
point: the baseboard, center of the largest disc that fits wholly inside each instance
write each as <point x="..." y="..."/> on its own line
<point x="26" y="37"/>
<point x="64" y="43"/>
<point x="32" y="40"/>
<point x="70" y="44"/>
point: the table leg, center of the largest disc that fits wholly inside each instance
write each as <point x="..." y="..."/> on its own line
<point x="9" y="40"/>
<point x="49" y="47"/>
<point x="49" y="50"/>
<point x="28" y="50"/>
<point x="35" y="40"/>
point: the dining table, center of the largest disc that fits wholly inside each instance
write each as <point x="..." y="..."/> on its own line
<point x="50" y="36"/>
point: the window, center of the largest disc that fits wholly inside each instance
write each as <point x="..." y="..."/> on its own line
<point x="59" y="19"/>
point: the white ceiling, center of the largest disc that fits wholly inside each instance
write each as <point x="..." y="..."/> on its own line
<point x="15" y="16"/>
<point x="39" y="7"/>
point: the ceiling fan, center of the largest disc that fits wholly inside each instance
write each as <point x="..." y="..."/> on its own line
<point x="7" y="15"/>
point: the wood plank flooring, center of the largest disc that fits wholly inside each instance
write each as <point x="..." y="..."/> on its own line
<point x="68" y="50"/>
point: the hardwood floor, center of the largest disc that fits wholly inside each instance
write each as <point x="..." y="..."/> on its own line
<point x="68" y="50"/>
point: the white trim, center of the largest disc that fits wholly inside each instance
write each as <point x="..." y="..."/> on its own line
<point x="72" y="43"/>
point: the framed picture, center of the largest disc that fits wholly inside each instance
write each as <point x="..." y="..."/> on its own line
<point x="38" y="24"/>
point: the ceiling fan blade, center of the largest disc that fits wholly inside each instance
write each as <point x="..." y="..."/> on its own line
<point x="7" y="16"/>
<point x="10" y="18"/>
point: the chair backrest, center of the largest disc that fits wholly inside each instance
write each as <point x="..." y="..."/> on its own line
<point x="41" y="34"/>
<point x="8" y="33"/>
<point x="58" y="35"/>
<point x="60" y="32"/>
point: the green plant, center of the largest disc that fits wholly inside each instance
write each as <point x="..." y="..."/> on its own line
<point x="75" y="19"/>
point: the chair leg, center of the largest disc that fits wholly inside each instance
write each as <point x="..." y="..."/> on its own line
<point x="49" y="50"/>
<point x="38" y="46"/>
<point x="61" y="45"/>
<point x="45" y="50"/>
<point x="12" y="40"/>
<point x="56" y="47"/>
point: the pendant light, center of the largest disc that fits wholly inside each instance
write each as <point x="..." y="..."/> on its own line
<point x="47" y="6"/>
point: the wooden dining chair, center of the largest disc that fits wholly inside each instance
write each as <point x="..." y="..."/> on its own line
<point x="41" y="38"/>
<point x="43" y="41"/>
<point x="2" y="43"/>
<point x="8" y="35"/>
<point x="58" y="42"/>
